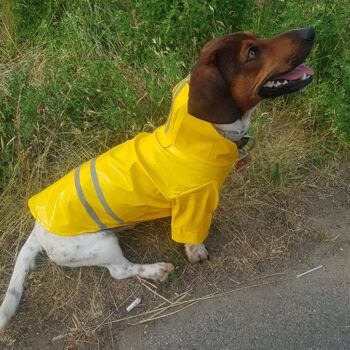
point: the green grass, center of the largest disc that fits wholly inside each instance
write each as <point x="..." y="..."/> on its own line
<point x="106" y="67"/>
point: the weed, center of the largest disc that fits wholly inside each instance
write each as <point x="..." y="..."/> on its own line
<point x="108" y="66"/>
<point x="179" y="263"/>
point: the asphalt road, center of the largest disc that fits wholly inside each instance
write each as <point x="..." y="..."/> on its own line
<point x="310" y="312"/>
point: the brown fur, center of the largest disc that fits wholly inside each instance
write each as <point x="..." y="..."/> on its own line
<point x="224" y="84"/>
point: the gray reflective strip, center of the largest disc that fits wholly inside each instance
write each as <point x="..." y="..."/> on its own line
<point x="99" y="192"/>
<point x="182" y="84"/>
<point x="84" y="202"/>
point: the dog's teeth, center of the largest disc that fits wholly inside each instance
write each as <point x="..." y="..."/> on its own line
<point x="304" y="76"/>
<point x="285" y="82"/>
<point x="277" y="83"/>
<point x="269" y="84"/>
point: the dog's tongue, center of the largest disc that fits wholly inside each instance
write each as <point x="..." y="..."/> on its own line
<point x="296" y="73"/>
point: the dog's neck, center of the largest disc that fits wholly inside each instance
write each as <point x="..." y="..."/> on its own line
<point x="237" y="130"/>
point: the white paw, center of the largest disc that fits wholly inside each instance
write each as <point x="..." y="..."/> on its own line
<point x="156" y="272"/>
<point x="196" y="253"/>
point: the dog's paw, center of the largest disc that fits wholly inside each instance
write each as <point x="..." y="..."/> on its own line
<point x="196" y="253"/>
<point x="156" y="272"/>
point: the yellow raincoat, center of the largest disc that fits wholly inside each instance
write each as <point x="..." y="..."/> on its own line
<point x="175" y="171"/>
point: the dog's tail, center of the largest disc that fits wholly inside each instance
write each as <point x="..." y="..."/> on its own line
<point x="25" y="262"/>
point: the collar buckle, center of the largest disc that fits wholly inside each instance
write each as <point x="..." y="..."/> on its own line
<point x="246" y="156"/>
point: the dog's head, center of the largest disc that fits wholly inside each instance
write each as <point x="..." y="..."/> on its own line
<point x="237" y="71"/>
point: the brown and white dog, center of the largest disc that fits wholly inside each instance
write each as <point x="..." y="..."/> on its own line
<point x="234" y="73"/>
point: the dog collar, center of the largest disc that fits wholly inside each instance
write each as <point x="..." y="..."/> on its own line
<point x="240" y="139"/>
<point x="231" y="134"/>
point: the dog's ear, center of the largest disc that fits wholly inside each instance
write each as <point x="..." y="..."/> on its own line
<point x="210" y="96"/>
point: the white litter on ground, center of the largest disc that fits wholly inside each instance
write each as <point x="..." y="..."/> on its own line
<point x="136" y="302"/>
<point x="309" y="271"/>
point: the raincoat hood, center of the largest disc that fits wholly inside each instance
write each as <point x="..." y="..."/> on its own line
<point x="196" y="138"/>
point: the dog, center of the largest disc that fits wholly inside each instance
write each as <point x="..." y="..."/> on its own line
<point x="178" y="170"/>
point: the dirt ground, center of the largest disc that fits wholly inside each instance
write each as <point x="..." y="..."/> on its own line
<point x="262" y="241"/>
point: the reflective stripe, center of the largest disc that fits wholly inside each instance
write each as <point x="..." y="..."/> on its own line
<point x="176" y="92"/>
<point x="99" y="192"/>
<point x="175" y="88"/>
<point x="84" y="202"/>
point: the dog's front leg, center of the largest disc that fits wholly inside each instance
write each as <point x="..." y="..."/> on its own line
<point x="196" y="252"/>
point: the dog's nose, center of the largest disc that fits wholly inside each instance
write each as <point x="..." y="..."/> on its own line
<point x="307" y="34"/>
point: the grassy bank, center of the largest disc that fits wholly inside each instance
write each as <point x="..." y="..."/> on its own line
<point x="76" y="69"/>
<point x="77" y="77"/>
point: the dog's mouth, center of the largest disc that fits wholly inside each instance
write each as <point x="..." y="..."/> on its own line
<point x="287" y="82"/>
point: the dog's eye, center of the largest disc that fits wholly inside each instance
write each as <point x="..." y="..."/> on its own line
<point x="252" y="53"/>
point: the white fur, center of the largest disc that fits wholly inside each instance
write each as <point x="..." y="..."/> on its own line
<point x="196" y="253"/>
<point x="91" y="249"/>
<point x="240" y="126"/>
<point x="25" y="262"/>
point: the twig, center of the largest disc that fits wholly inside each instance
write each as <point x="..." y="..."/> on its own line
<point x="267" y="276"/>
<point x="141" y="280"/>
<point x="133" y="316"/>
<point x="175" y="303"/>
<point x="174" y="300"/>
<point x="166" y="315"/>
<point x="60" y="336"/>
<point x="187" y="303"/>
<point x="17" y="124"/>
<point x="231" y="279"/>
<point x="309" y="271"/>
<point x="157" y="294"/>
<point x="102" y="323"/>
